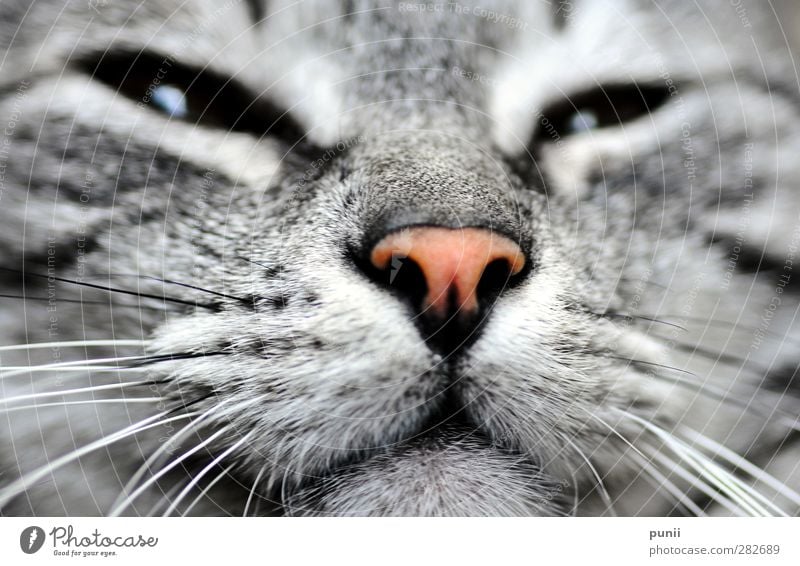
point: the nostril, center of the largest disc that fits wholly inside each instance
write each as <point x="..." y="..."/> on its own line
<point x="498" y="276"/>
<point x="404" y="276"/>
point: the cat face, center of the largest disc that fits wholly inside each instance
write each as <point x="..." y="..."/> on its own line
<point x="412" y="259"/>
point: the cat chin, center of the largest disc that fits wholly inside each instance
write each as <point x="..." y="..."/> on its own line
<point x="448" y="472"/>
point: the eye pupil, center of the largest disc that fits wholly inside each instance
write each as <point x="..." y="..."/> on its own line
<point x="171" y="100"/>
<point x="583" y="121"/>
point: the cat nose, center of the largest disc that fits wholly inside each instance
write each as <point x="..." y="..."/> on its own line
<point x="447" y="271"/>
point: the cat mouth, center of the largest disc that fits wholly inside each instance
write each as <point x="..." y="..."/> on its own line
<point x="445" y="435"/>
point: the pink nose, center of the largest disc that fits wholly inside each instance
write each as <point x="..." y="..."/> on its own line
<point x="452" y="262"/>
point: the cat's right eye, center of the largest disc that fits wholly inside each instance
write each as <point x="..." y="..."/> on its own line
<point x="602" y="107"/>
<point x="183" y="93"/>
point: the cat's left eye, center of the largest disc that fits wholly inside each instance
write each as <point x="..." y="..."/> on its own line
<point x="184" y="93"/>
<point x="601" y="107"/>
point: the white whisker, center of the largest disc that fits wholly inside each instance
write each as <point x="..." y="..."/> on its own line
<point x="694" y="481"/>
<point x="741" y="463"/>
<point x="148" y="463"/>
<point x="163" y="449"/>
<point x="253" y="489"/>
<point x="115" y="512"/>
<point x="74" y="344"/>
<point x="86" y="402"/>
<point x="719" y="478"/>
<point x="206" y="489"/>
<point x="78" y="370"/>
<point x="164" y="501"/>
<point x="12" y="371"/>
<point x="601" y="488"/>
<point x="745" y="496"/>
<point x="125" y="499"/>
<point x="20" y="485"/>
<point x="650" y="470"/>
<point x="92" y="389"/>
<point x="660" y="481"/>
<point x="576" y="497"/>
<point x="204" y="471"/>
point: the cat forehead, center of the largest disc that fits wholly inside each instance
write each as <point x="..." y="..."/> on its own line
<point x="325" y="24"/>
<point x="255" y="34"/>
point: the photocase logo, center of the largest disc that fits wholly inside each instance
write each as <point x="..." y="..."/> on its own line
<point x="397" y="263"/>
<point x="31" y="539"/>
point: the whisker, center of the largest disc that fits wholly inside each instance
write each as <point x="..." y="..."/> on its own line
<point x="77" y="370"/>
<point x="280" y="469"/>
<point x="720" y="323"/>
<point x="649" y="469"/>
<point x="74" y="344"/>
<point x="182" y="406"/>
<point x="8" y="400"/>
<point x="635" y="317"/>
<point x="601" y="488"/>
<point x="209" y="306"/>
<point x="576" y="494"/>
<point x="21" y="485"/>
<point x="206" y="489"/>
<point x="718" y="394"/>
<point x="60" y="365"/>
<point x="136" y="363"/>
<point x="657" y="321"/>
<point x="650" y="364"/>
<point x="204" y="471"/>
<point x="746" y="497"/>
<point x="148" y="463"/>
<point x="719" y="478"/>
<point x="659" y="481"/>
<point x="245" y="300"/>
<point x="694" y="481"/>
<point x="609" y="314"/>
<point x="164" y="501"/>
<point x="261" y="265"/>
<point x="741" y="463"/>
<point x="125" y="499"/>
<point x="116" y="510"/>
<point x="81" y="302"/>
<point x="86" y="402"/>
<point x="722" y="479"/>
<point x="159" y="358"/>
<point x="717" y="356"/>
<point x="253" y="489"/>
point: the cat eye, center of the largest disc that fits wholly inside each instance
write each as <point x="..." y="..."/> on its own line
<point x="603" y="107"/>
<point x="196" y="96"/>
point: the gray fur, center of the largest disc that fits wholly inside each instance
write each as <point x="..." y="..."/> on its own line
<point x="639" y="235"/>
